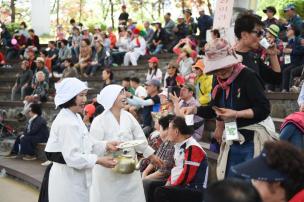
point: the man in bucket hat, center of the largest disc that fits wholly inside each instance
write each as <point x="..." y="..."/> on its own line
<point x="270" y="11"/>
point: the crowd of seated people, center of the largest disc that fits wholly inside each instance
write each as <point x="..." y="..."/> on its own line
<point x="227" y="85"/>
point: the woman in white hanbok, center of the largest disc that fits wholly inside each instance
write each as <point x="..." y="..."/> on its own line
<point x="117" y="124"/>
<point x="72" y="150"/>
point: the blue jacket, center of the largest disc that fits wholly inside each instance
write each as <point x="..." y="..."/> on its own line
<point x="38" y="129"/>
<point x="297" y="54"/>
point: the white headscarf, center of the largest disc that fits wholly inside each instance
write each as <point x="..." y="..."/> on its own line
<point x="108" y="95"/>
<point x="67" y="89"/>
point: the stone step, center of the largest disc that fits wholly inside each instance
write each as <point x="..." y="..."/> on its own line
<point x="143" y="61"/>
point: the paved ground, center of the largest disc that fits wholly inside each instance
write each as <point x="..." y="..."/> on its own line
<point x="12" y="190"/>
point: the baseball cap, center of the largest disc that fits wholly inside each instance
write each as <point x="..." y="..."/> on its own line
<point x="289" y="7"/>
<point x="153" y="82"/>
<point x="153" y="60"/>
<point x="258" y="169"/>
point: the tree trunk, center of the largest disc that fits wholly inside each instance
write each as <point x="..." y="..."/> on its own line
<point x="209" y="7"/>
<point x="57" y="12"/>
<point x="80" y="10"/>
<point x="13" y="8"/>
<point x="159" y="7"/>
<point x="183" y="6"/>
<point x="112" y="13"/>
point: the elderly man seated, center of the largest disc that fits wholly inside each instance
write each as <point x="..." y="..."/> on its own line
<point x="36" y="131"/>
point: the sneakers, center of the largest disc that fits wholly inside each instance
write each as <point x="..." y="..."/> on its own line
<point x="46" y="163"/>
<point x="11" y="156"/>
<point x="29" y="158"/>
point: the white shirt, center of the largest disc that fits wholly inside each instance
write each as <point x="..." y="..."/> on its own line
<point x="108" y="185"/>
<point x="301" y="96"/>
<point x="141" y="92"/>
<point x="185" y="66"/>
<point x="69" y="135"/>
<point x="158" y="75"/>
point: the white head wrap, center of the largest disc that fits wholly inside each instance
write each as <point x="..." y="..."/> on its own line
<point x="108" y="95"/>
<point x="67" y="89"/>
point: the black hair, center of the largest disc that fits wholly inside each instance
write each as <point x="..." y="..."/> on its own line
<point x="232" y="190"/>
<point x="36" y="109"/>
<point x="24" y="24"/>
<point x="64" y="41"/>
<point x="295" y="29"/>
<point x="180" y="124"/>
<point x="69" y="60"/>
<point x="135" y="79"/>
<point x="72" y="21"/>
<point x="68" y="104"/>
<point x="245" y="23"/>
<point x="126" y="79"/>
<point x="31" y="30"/>
<point x="44" y="52"/>
<point x="109" y="71"/>
<point x="154" y="69"/>
<point x="169" y="14"/>
<point x="216" y="32"/>
<point x="52" y="42"/>
<point x="165" y="120"/>
<point x="87" y="41"/>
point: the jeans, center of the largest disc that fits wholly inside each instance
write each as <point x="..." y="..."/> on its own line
<point x="288" y="74"/>
<point x="16" y="90"/>
<point x="239" y="153"/>
<point x="157" y="49"/>
<point x="91" y="69"/>
<point x="293" y="134"/>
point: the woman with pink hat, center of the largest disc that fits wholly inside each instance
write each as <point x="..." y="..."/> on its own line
<point x="240" y="105"/>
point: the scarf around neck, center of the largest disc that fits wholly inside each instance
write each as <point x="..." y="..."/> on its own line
<point x="225" y="84"/>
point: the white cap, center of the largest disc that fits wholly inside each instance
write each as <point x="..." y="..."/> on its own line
<point x="108" y="95"/>
<point x="67" y="89"/>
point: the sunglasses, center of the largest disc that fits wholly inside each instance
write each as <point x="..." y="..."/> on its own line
<point x="258" y="33"/>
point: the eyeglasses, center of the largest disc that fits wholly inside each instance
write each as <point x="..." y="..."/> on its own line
<point x="258" y="33"/>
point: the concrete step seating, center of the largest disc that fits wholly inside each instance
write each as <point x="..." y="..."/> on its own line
<point x="32" y="172"/>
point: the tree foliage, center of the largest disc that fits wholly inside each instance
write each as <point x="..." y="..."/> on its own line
<point x="280" y="4"/>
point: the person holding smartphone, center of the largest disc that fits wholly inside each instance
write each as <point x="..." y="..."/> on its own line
<point x="239" y="104"/>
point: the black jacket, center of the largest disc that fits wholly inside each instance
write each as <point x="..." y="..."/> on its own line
<point x="246" y="92"/>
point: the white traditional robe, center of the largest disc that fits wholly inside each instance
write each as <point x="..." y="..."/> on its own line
<point x="70" y="182"/>
<point x="107" y="185"/>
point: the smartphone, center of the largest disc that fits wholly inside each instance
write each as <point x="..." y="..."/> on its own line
<point x="215" y="108"/>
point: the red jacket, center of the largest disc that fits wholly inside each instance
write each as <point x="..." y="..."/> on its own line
<point x="297" y="119"/>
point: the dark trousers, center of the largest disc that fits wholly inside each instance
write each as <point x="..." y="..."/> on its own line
<point x="177" y="194"/>
<point x="26" y="145"/>
<point x="118" y="57"/>
<point x="289" y="73"/>
<point x="150" y="186"/>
